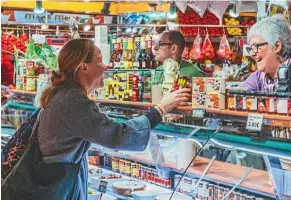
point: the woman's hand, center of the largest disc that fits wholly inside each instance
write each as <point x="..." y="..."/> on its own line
<point x="175" y="99"/>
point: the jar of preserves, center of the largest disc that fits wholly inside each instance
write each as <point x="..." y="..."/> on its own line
<point x="252" y="104"/>
<point x="270" y="102"/>
<point x="282" y="104"/>
<point x="231" y="100"/>
<point x="239" y="100"/>
<point x="261" y="102"/>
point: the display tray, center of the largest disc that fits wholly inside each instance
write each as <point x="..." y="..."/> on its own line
<point x="22" y="92"/>
<point x="257" y="180"/>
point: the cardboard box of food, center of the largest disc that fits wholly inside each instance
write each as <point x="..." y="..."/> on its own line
<point x="215" y="85"/>
<point x="198" y="100"/>
<point x="198" y="84"/>
<point x="215" y="100"/>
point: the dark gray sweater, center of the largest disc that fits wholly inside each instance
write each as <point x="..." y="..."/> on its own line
<point x="71" y="122"/>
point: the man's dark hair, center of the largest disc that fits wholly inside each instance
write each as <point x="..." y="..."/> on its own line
<point x="177" y="38"/>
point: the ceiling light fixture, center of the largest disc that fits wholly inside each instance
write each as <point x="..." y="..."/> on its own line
<point x="38" y="8"/>
<point x="172" y="14"/>
<point x="233" y="12"/>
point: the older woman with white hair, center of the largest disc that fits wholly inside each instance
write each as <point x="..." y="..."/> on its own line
<point x="270" y="47"/>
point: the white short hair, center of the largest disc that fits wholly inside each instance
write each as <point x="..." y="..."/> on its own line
<point x="273" y="29"/>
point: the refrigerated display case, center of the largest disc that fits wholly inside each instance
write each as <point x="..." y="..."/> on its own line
<point x="16" y="109"/>
<point x="256" y="165"/>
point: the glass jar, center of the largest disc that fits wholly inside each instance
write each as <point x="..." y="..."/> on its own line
<point x="252" y="104"/>
<point x="282" y="104"/>
<point x="231" y="100"/>
<point x="270" y="102"/>
<point x="239" y="101"/>
<point x="261" y="102"/>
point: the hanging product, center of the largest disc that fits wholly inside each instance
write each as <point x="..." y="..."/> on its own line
<point x="207" y="52"/>
<point x="195" y="52"/>
<point x="224" y="50"/>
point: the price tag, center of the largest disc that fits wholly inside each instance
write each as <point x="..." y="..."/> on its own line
<point x="255" y="122"/>
<point x="102" y="186"/>
<point x="198" y="112"/>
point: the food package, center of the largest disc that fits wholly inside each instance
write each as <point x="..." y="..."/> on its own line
<point x="218" y="7"/>
<point x="216" y="101"/>
<point x="185" y="53"/>
<point x="198" y="84"/>
<point x="215" y="85"/>
<point x="199" y="7"/>
<point x="181" y="81"/>
<point x="224" y="50"/>
<point x="207" y="49"/>
<point x="195" y="52"/>
<point x="170" y="71"/>
<point x="125" y="187"/>
<point x="198" y="100"/>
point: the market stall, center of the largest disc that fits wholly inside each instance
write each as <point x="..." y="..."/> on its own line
<point x="231" y="143"/>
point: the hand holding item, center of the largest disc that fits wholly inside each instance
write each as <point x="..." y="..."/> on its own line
<point x="174" y="99"/>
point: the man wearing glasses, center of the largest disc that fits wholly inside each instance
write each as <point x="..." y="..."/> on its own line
<point x="170" y="46"/>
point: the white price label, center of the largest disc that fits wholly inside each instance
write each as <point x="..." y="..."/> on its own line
<point x="198" y="112"/>
<point x="255" y="122"/>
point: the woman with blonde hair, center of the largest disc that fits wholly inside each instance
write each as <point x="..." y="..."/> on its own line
<point x="70" y="121"/>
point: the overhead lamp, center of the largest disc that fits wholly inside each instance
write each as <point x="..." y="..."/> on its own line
<point x="106" y="7"/>
<point x="87" y="27"/>
<point x="233" y="12"/>
<point x="38" y="8"/>
<point x="172" y="14"/>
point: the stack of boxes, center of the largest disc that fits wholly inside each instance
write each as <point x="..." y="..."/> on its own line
<point x="208" y="93"/>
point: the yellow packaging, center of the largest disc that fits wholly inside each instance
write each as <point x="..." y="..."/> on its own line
<point x="215" y="100"/>
<point x="198" y="100"/>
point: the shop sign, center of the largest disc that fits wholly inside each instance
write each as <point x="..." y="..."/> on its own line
<point x="254" y="122"/>
<point x="53" y="18"/>
<point x="102" y="186"/>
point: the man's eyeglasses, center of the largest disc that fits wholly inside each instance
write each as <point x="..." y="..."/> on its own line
<point x="159" y="44"/>
<point x="255" y="47"/>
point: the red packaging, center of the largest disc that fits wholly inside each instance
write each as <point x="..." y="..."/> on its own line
<point x="207" y="52"/>
<point x="195" y="52"/>
<point x="224" y="50"/>
<point x="289" y="105"/>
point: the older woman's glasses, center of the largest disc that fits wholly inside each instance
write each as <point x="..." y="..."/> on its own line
<point x="255" y="47"/>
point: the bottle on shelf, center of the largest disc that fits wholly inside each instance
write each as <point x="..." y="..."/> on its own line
<point x="135" y="64"/>
<point x="114" y="53"/>
<point x="148" y="53"/>
<point x="118" y="53"/>
<point x="141" y="58"/>
<point x="130" y="52"/>
<point x="124" y="55"/>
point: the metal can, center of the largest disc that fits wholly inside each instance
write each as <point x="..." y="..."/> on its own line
<point x="30" y="83"/>
<point x="142" y="173"/>
<point x="220" y="193"/>
<point x="215" y="192"/>
<point x="225" y="191"/>
<point x="127" y="168"/>
<point x="30" y="69"/>
<point x="133" y="170"/>
<point x="121" y="166"/>
<point x="236" y="196"/>
<point x="205" y="194"/>
<point x="177" y="178"/>
<point x="210" y="192"/>
<point x="200" y="191"/>
<point x="113" y="164"/>
<point x="20" y="82"/>
<point x="195" y="190"/>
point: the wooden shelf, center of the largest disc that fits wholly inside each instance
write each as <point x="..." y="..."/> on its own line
<point x="273" y="119"/>
<point x="220" y="171"/>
